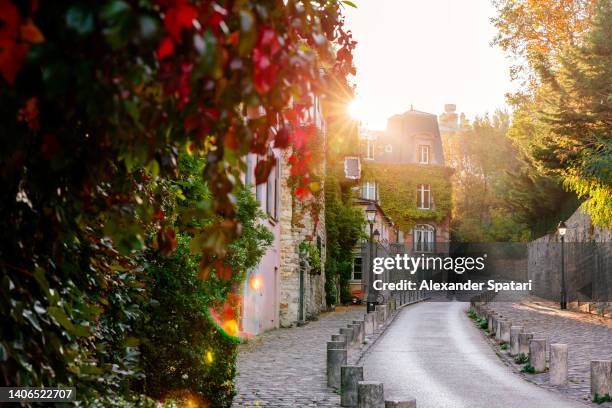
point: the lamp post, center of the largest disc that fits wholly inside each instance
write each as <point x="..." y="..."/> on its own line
<point x="371" y="299"/>
<point x="562" y="229"/>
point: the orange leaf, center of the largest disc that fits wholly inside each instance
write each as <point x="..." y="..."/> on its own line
<point x="30" y="33"/>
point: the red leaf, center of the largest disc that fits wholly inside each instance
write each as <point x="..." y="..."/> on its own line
<point x="178" y="17"/>
<point x="281" y="139"/>
<point x="12" y="56"/>
<point x="9" y="19"/>
<point x="166" y="48"/>
<point x="263" y="169"/>
<point x="166" y="241"/>
<point x="301" y="193"/>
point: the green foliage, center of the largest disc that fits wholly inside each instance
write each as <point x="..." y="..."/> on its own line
<point x="562" y="122"/>
<point x="314" y="257"/>
<point x="528" y="368"/>
<point x="398" y="191"/>
<point x="472" y="314"/>
<point x="504" y="346"/>
<point x="95" y="111"/>
<point x="521" y="359"/>
<point x="182" y="349"/>
<point x="600" y="399"/>
<point x="498" y="195"/>
<point x="344" y="229"/>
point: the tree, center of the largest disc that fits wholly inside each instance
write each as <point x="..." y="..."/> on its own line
<point x="498" y="194"/>
<point x="98" y="99"/>
<point x="562" y="122"/>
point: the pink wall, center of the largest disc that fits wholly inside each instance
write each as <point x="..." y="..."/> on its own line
<point x="261" y="287"/>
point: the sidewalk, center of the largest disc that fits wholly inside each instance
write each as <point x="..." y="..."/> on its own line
<point x="588" y="338"/>
<point x="287" y="367"/>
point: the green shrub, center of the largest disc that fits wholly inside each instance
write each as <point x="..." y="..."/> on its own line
<point x="182" y="349"/>
<point x="521" y="359"/>
<point x="504" y="346"/>
<point x="529" y="369"/>
<point x="600" y="399"/>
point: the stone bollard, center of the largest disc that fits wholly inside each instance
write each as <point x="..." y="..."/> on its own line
<point x="380" y="315"/>
<point x="498" y="330"/>
<point x="336" y="358"/>
<point x="601" y="377"/>
<point x="339" y="337"/>
<point x="514" y="339"/>
<point x="348" y="334"/>
<point x="356" y="335"/>
<point x="537" y="354"/>
<point x="408" y="403"/>
<point x="490" y="324"/>
<point x="370" y="323"/>
<point x="523" y="340"/>
<point x="335" y="345"/>
<point x="361" y="324"/>
<point x="349" y="379"/>
<point x="558" y="364"/>
<point x="370" y="394"/>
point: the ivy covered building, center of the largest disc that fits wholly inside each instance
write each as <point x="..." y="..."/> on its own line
<point x="403" y="172"/>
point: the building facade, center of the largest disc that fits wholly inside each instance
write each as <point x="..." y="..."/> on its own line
<point x="283" y="290"/>
<point x="412" y="141"/>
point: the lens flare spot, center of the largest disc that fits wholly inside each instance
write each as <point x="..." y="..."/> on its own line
<point x="255" y="283"/>
<point x="231" y="327"/>
<point x="209" y="357"/>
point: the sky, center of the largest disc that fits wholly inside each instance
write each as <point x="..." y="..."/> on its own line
<point x="426" y="53"/>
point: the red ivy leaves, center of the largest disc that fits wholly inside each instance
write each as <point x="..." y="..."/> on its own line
<point x="177" y="17"/>
<point x="265" y="69"/>
<point x="16" y="36"/>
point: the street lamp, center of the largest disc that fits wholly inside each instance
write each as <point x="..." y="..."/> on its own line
<point x="562" y="229"/>
<point x="371" y="217"/>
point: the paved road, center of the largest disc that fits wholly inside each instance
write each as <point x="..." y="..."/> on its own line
<point x="433" y="352"/>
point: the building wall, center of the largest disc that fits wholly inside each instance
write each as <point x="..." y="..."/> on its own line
<point x="260" y="290"/>
<point x="588" y="265"/>
<point x="291" y="267"/>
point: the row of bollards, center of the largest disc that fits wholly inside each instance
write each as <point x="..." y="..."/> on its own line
<point x="349" y="379"/>
<point x="525" y="344"/>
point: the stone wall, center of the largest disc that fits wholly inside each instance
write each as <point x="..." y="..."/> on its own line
<point x="587" y="262"/>
<point x="296" y="225"/>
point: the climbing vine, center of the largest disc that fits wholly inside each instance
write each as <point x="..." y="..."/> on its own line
<point x="398" y="184"/>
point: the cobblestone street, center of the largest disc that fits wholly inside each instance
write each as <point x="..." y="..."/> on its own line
<point x="588" y="338"/>
<point x="286" y="367"/>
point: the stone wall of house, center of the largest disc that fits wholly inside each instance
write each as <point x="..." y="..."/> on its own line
<point x="296" y="225"/>
<point x="587" y="262"/>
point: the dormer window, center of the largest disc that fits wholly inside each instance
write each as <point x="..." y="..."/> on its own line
<point x="423" y="154"/>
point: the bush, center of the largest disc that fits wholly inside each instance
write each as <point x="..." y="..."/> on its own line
<point x="182" y="348"/>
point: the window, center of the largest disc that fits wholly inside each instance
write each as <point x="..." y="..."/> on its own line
<point x="423" y="197"/>
<point x="423" y="238"/>
<point x="369" y="149"/>
<point x="369" y="190"/>
<point x="268" y="194"/>
<point x="423" y="154"/>
<point x="388" y="148"/>
<point x="357" y="269"/>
